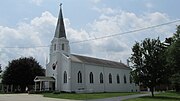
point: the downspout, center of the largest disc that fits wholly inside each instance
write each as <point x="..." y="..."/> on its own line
<point x="85" y="85"/>
<point x="104" y="79"/>
<point x="70" y="67"/>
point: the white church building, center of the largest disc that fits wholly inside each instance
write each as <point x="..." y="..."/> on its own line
<point x="75" y="73"/>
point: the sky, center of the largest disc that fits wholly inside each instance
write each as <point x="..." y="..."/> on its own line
<point x="31" y="23"/>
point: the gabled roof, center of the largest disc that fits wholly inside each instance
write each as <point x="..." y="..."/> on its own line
<point x="96" y="61"/>
<point x="43" y="78"/>
<point x="60" y="29"/>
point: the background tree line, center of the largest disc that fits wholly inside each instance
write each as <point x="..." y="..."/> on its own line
<point x="155" y="62"/>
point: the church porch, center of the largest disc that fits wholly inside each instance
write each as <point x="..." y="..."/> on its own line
<point x="43" y="83"/>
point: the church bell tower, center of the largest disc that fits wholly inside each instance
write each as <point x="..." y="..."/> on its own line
<point x="60" y="42"/>
<point x="58" y="49"/>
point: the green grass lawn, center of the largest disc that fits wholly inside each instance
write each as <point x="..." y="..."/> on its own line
<point x="86" y="96"/>
<point x="168" y="96"/>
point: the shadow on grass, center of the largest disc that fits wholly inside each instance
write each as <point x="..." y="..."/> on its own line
<point x="164" y="98"/>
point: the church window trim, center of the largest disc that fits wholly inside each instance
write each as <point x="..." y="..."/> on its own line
<point x="91" y="77"/>
<point x="54" y="65"/>
<point x="125" y="79"/>
<point x="110" y="78"/>
<point x="101" y="78"/>
<point x="79" y="77"/>
<point x="118" y="79"/>
<point x="62" y="46"/>
<point x="65" y="77"/>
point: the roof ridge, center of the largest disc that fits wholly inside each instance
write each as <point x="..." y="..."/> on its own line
<point x="96" y="58"/>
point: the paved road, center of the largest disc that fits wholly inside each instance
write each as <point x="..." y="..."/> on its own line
<point x="32" y="97"/>
<point x="26" y="97"/>
<point x="120" y="98"/>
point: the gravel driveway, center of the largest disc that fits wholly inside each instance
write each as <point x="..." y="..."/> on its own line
<point x="27" y="97"/>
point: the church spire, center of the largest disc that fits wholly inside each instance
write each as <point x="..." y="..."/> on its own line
<point x="60" y="29"/>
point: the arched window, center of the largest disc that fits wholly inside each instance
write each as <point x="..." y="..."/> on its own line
<point x="110" y="78"/>
<point x="54" y="47"/>
<point x="125" y="79"/>
<point x="118" y="79"/>
<point x="91" y="77"/>
<point x="101" y="78"/>
<point x="65" y="77"/>
<point x="62" y="46"/>
<point x="79" y="77"/>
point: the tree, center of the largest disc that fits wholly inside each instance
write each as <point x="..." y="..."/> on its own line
<point x="21" y="72"/>
<point x="173" y="58"/>
<point x="148" y="65"/>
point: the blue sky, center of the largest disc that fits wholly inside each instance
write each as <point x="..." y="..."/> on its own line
<point x="13" y="11"/>
<point x="32" y="23"/>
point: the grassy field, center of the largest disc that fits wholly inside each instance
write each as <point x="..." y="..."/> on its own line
<point x="168" y="96"/>
<point x="86" y="96"/>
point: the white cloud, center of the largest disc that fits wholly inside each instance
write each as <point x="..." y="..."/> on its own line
<point x="119" y="47"/>
<point x="40" y="31"/>
<point x="105" y="10"/>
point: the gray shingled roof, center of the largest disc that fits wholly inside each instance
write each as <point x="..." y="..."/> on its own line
<point x="43" y="78"/>
<point x="96" y="61"/>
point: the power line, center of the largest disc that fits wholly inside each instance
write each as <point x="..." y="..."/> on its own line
<point x="103" y="37"/>
<point x="132" y="31"/>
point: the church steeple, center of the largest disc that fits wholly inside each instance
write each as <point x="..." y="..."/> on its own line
<point x="60" y="29"/>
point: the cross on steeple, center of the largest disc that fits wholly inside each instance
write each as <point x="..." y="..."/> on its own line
<point x="60" y="4"/>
